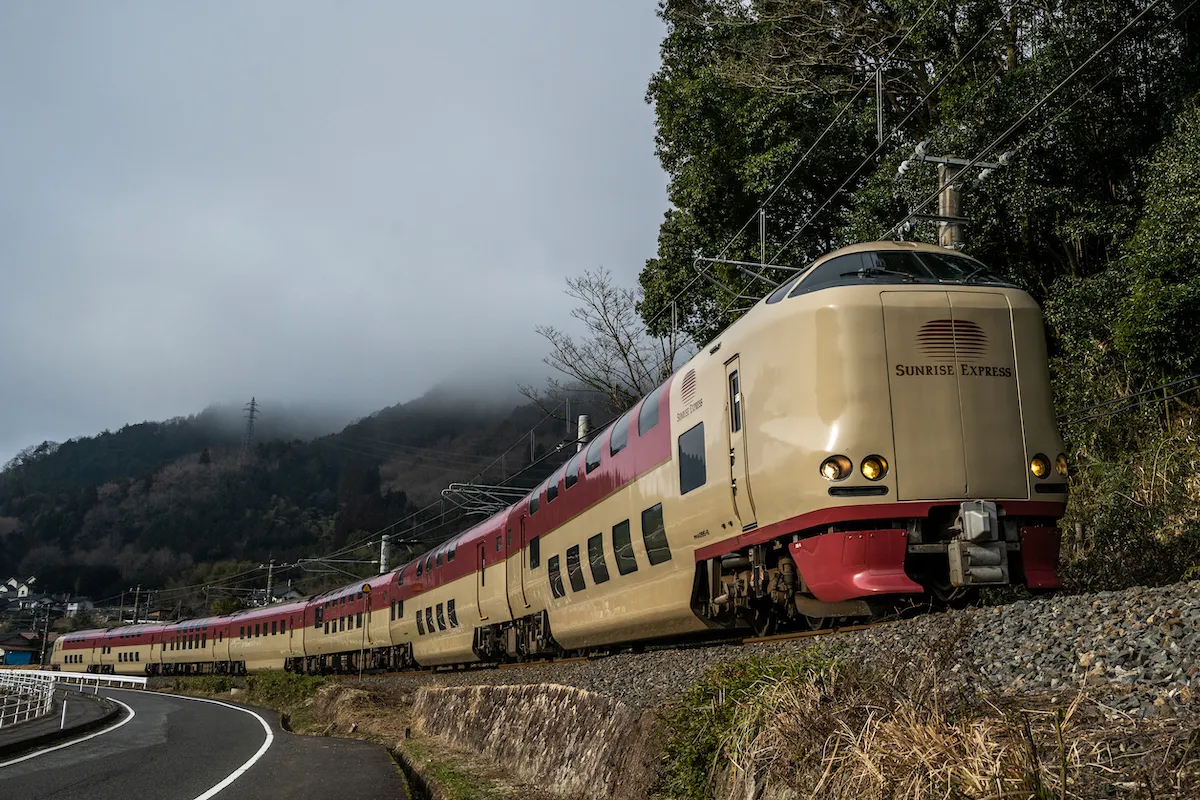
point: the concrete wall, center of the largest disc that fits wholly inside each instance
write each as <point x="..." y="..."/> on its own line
<point x="572" y="742"/>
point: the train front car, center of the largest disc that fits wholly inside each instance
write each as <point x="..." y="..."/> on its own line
<point x="890" y="437"/>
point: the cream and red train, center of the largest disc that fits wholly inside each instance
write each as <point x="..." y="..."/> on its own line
<point x="878" y="430"/>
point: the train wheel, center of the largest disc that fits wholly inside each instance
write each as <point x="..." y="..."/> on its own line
<point x="817" y="623"/>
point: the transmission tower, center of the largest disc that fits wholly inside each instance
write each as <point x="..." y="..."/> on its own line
<point x="251" y="410"/>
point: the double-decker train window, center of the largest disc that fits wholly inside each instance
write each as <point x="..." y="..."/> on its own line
<point x="648" y="415"/>
<point x="420" y="624"/>
<point x="575" y="570"/>
<point x="654" y="535"/>
<point x="552" y="488"/>
<point x="592" y="460"/>
<point x="572" y="471"/>
<point x="556" y="584"/>
<point x="535" y="553"/>
<point x="596" y="558"/>
<point x="429" y="618"/>
<point x="450" y="613"/>
<point x="534" y="500"/>
<point x="439" y="558"/>
<point x="692" y="471"/>
<point x="441" y="618"/>
<point x="451" y="551"/>
<point x="620" y="435"/>
<point x="623" y="548"/>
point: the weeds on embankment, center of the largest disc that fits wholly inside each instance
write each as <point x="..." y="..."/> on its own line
<point x="823" y="726"/>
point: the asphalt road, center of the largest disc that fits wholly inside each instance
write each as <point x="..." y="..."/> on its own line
<point x="176" y="748"/>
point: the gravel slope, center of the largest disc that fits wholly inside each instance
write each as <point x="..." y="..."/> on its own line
<point x="1137" y="649"/>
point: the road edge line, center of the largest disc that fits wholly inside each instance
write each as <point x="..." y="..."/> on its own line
<point x="43" y="752"/>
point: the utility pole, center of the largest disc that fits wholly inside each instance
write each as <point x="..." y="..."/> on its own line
<point x="45" y="636"/>
<point x="136" y="595"/>
<point x="251" y="410"/>
<point x="121" y="612"/>
<point x="385" y="551"/>
<point x="949" y="219"/>
<point x="270" y="580"/>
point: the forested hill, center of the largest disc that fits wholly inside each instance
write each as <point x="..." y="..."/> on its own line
<point x="163" y="502"/>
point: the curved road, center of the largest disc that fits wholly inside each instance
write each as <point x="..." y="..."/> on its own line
<point x="179" y="748"/>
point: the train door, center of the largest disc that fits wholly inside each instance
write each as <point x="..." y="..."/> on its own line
<point x="480" y="576"/>
<point x="739" y="472"/>
<point x="524" y="566"/>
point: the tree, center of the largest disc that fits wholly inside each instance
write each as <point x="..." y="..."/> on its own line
<point x="615" y="357"/>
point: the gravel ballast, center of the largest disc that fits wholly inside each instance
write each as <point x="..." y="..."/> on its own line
<point x="1136" y="650"/>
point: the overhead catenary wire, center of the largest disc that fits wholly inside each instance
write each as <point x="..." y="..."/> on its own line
<point x="1068" y="80"/>
<point x="762" y="206"/>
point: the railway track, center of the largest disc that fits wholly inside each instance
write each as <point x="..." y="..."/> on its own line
<point x="748" y="641"/>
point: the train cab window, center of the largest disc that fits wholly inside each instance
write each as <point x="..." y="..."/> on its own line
<point x="439" y="558"/>
<point x="499" y="543"/>
<point x="450" y="614"/>
<point x="451" y="551"/>
<point x="420" y="625"/>
<point x="648" y="415"/>
<point x="534" y="501"/>
<point x="692" y="471"/>
<point x="552" y="487"/>
<point x="596" y="558"/>
<point x="654" y="535"/>
<point x="592" y="459"/>
<point x="735" y="402"/>
<point x="556" y="584"/>
<point x="623" y="548"/>
<point x="441" y="618"/>
<point x="429" y="618"/>
<point x="620" y="435"/>
<point x="535" y="553"/>
<point x="575" y="570"/>
<point x="572" y="471"/>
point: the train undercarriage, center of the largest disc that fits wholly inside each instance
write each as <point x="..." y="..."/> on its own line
<point x="875" y="569"/>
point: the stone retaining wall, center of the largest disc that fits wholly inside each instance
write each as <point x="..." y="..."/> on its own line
<point x="572" y="742"/>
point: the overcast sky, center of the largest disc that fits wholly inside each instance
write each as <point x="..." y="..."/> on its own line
<point x="336" y="203"/>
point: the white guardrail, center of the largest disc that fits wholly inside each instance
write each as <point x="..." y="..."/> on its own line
<point x="29" y="693"/>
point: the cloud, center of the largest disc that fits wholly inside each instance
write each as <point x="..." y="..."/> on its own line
<point x="317" y="203"/>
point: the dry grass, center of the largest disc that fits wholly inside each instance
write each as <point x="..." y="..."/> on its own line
<point x="898" y="733"/>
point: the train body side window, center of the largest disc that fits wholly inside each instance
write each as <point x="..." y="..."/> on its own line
<point x="534" y="499"/>
<point x="326" y="626"/>
<point x="573" y="470"/>
<point x="256" y="633"/>
<point x="596" y="558"/>
<point x="419" y="569"/>
<point x="575" y="570"/>
<point x="429" y="618"/>
<point x="441" y="618"/>
<point x="623" y="548"/>
<point x="358" y="620"/>
<point x="592" y="458"/>
<point x="499" y="545"/>
<point x="556" y="584"/>
<point x="620" y="435"/>
<point x="648" y="415"/>
<point x="735" y="402"/>
<point x="399" y="609"/>
<point x="450" y="553"/>
<point x="421" y="624"/>
<point x="450" y="614"/>
<point x="654" y="534"/>
<point x="204" y="639"/>
<point x="535" y="553"/>
<point x="283" y="626"/>
<point x="274" y="627"/>
<point x="692" y="471"/>
<point x="393" y="617"/>
<point x="439" y="558"/>
<point x="552" y="488"/>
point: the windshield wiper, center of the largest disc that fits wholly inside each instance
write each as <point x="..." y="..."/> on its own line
<point x="866" y="271"/>
<point x="967" y="278"/>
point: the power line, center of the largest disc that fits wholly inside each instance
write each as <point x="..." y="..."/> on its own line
<point x="1024" y="117"/>
<point x="762" y="207"/>
<point x="1065" y="417"/>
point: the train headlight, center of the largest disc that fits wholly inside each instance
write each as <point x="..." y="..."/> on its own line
<point x="1039" y="465"/>
<point x="836" y="468"/>
<point x="874" y="467"/>
<point x="1060" y="464"/>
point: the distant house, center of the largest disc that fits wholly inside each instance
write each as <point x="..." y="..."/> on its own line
<point x="17" y="648"/>
<point x="31" y="602"/>
<point x="279" y="594"/>
<point x="80" y="605"/>
<point x="16" y="588"/>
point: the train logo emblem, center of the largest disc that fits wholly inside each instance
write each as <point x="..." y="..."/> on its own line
<point x="946" y="342"/>
<point x="940" y="339"/>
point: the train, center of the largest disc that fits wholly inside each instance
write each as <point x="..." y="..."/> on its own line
<point x="876" y="434"/>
